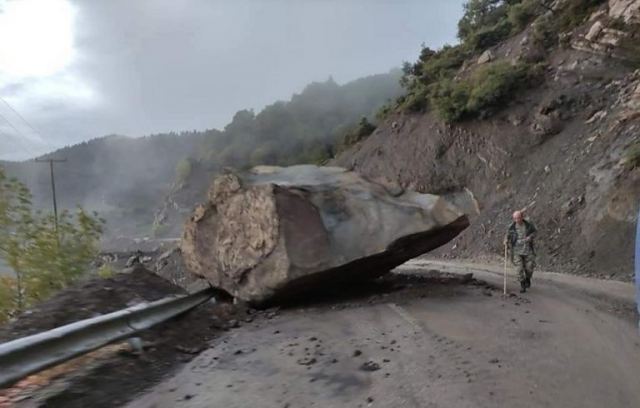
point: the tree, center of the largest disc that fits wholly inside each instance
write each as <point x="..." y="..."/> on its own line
<point x="479" y="14"/>
<point x="360" y="132"/>
<point x="183" y="170"/>
<point x="42" y="259"/>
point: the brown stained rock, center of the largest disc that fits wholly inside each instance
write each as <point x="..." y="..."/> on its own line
<point x="272" y="233"/>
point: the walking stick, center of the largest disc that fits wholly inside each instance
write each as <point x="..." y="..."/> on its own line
<point x="504" y="287"/>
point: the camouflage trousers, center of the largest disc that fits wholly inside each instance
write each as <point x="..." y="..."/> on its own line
<point x="525" y="265"/>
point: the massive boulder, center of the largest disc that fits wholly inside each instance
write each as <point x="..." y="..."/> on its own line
<point x="273" y="233"/>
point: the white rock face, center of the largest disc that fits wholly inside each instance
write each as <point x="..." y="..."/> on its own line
<point x="486" y="57"/>
<point x="274" y="232"/>
<point x="627" y="10"/>
<point x="594" y="31"/>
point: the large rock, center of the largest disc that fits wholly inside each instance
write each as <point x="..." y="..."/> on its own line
<point x="273" y="233"/>
<point x="486" y="57"/>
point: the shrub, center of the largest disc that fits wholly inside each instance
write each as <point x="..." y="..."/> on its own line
<point x="545" y="32"/>
<point x="449" y="99"/>
<point x="45" y="256"/>
<point x="443" y="63"/>
<point x="547" y="29"/>
<point x="363" y="130"/>
<point x="384" y="112"/>
<point x="416" y="99"/>
<point x="489" y="36"/>
<point x="521" y="14"/>
<point x="487" y="89"/>
<point x="492" y="84"/>
<point x="316" y="153"/>
<point x="632" y="157"/>
<point x="432" y="68"/>
<point x="106" y="271"/>
<point x="574" y="13"/>
<point x="479" y="14"/>
<point x="183" y="170"/>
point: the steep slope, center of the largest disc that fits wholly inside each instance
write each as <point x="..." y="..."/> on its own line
<point x="567" y="147"/>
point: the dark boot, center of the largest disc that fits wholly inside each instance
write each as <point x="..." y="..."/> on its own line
<point x="523" y="286"/>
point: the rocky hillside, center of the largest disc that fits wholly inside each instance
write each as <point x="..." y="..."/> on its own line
<point x="564" y="140"/>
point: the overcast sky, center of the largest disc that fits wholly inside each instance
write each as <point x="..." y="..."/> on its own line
<point x="80" y="69"/>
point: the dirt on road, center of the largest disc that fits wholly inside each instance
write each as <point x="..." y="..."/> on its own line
<point x="433" y="341"/>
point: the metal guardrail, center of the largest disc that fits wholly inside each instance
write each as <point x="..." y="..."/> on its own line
<point x="28" y="355"/>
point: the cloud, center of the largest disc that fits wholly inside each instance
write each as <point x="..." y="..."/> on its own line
<point x="159" y="65"/>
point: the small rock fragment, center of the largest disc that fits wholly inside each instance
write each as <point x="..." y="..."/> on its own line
<point x="370" y="366"/>
<point x="307" y="361"/>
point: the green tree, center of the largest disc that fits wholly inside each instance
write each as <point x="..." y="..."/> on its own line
<point x="183" y="170"/>
<point x="363" y="130"/>
<point x="479" y="14"/>
<point x="44" y="260"/>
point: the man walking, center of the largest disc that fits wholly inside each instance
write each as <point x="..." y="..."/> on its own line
<point x="519" y="241"/>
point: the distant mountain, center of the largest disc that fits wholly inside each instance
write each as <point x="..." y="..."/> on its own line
<point x="117" y="176"/>
<point x="127" y="179"/>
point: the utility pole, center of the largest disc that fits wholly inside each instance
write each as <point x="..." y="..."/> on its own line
<point x="53" y="187"/>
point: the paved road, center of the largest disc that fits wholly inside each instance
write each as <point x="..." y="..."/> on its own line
<point x="560" y="345"/>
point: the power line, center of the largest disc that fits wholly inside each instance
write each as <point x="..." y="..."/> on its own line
<point x="24" y="138"/>
<point x="53" y="188"/>
<point x="20" y="144"/>
<point x="21" y="140"/>
<point x="11" y="125"/>
<point x="21" y="117"/>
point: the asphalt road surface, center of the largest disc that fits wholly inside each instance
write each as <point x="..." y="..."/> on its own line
<point x="569" y="342"/>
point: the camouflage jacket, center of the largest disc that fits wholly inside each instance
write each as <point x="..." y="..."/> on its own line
<point x="512" y="236"/>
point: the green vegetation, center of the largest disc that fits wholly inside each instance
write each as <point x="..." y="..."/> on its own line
<point x="438" y="81"/>
<point x="384" y="112"/>
<point x="487" y="89"/>
<point x="630" y="46"/>
<point x="360" y="132"/>
<point x="487" y="37"/>
<point x="544" y="32"/>
<point x="632" y="157"/>
<point x="106" y="271"/>
<point x="306" y="129"/>
<point x="44" y="261"/>
<point x="480" y="15"/>
<point x="493" y="83"/>
<point x="548" y="28"/>
<point x="183" y="170"/>
<point x="573" y="13"/>
<point x="432" y="82"/>
<point x="429" y="75"/>
<point x="521" y="14"/>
